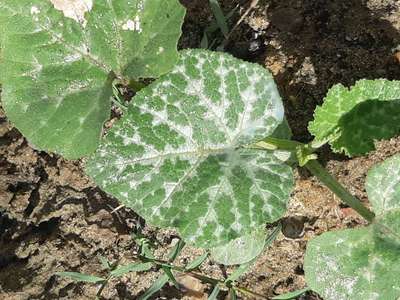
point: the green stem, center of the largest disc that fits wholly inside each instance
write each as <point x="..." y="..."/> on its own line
<point x="322" y="174"/>
<point x="274" y="143"/>
<point x="199" y="276"/>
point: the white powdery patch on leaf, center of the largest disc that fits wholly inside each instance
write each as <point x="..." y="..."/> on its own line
<point x="74" y="9"/>
<point x="362" y="263"/>
<point x="179" y="150"/>
<point x="81" y="46"/>
<point x="133" y="25"/>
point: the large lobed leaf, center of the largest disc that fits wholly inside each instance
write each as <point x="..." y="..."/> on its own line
<point x="59" y="59"/>
<point x="362" y="263"/>
<point x="176" y="156"/>
<point x="352" y="119"/>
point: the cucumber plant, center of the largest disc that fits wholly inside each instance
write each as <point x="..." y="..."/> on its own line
<point x="205" y="148"/>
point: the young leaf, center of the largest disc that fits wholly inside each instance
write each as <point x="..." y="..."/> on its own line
<point x="59" y="59"/>
<point x="176" y="250"/>
<point x="80" y="277"/>
<point x="170" y="275"/>
<point x="219" y="16"/>
<point x="197" y="262"/>
<point x="240" y="250"/>
<point x="134" y="267"/>
<point x="352" y="119"/>
<point x="155" y="287"/>
<point x="239" y="271"/>
<point x="362" y="263"/>
<point x="177" y="156"/>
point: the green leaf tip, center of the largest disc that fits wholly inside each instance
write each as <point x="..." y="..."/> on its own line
<point x="362" y="263"/>
<point x="350" y="120"/>
<point x="176" y="156"/>
<point x="59" y="59"/>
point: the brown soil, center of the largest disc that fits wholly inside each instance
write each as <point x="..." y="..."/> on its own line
<point x="53" y="218"/>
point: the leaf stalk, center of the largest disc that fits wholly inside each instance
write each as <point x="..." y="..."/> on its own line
<point x="322" y="174"/>
<point x="309" y="161"/>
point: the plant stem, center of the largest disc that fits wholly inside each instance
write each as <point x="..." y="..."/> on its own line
<point x="322" y="174"/>
<point x="199" y="276"/>
<point x="282" y="144"/>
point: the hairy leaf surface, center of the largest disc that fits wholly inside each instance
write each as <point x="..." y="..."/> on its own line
<point x="241" y="250"/>
<point x="383" y="185"/>
<point x="60" y="57"/>
<point x="177" y="156"/>
<point x="362" y="263"/>
<point x="352" y="119"/>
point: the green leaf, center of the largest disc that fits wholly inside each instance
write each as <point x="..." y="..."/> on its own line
<point x="239" y="271"/>
<point x="80" y="277"/>
<point x="214" y="294"/>
<point x="177" y="156"/>
<point x="155" y="287"/>
<point x="352" y="119"/>
<point x="383" y="185"/>
<point x="171" y="276"/>
<point x="362" y="263"/>
<point x="133" y="267"/>
<point x="245" y="249"/>
<point x="176" y="250"/>
<point x="291" y="295"/>
<point x="240" y="250"/>
<point x="58" y="63"/>
<point x="196" y="262"/>
<point x="219" y="16"/>
<point x="232" y="294"/>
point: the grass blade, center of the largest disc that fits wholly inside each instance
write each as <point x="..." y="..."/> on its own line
<point x="291" y="295"/>
<point x="239" y="272"/>
<point x="232" y="294"/>
<point x="171" y="276"/>
<point x="210" y="29"/>
<point x="273" y="235"/>
<point x="155" y="287"/>
<point x="176" y="250"/>
<point x="79" y="277"/>
<point x="215" y="293"/>
<point x="134" y="267"/>
<point x="219" y="16"/>
<point x="197" y="262"/>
